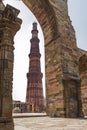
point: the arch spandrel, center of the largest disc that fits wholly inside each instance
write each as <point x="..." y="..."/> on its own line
<point x="45" y="15"/>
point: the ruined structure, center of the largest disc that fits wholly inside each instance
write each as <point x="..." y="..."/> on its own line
<point x="65" y="80"/>
<point x="34" y="94"/>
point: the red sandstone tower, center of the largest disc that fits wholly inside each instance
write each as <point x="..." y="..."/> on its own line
<point x="34" y="93"/>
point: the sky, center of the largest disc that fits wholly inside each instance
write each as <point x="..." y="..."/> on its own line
<point x="77" y="11"/>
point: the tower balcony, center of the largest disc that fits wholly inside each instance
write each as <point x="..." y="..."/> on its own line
<point x="35" y="39"/>
<point x="34" y="54"/>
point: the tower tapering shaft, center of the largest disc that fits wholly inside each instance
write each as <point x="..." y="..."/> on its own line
<point x="34" y="93"/>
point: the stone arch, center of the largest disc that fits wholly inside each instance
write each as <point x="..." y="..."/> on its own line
<point x="60" y="51"/>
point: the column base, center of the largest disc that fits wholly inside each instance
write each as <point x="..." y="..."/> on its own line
<point x="6" y="123"/>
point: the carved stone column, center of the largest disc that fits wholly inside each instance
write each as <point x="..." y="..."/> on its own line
<point x="9" y="25"/>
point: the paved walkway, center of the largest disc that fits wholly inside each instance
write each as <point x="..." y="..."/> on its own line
<point x="47" y="123"/>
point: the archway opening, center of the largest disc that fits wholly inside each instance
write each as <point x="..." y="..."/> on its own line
<point x="21" y="52"/>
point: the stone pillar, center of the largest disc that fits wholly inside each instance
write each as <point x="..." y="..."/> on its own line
<point x="62" y="71"/>
<point x="9" y="25"/>
<point x="83" y="74"/>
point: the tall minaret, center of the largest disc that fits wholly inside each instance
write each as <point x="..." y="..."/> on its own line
<point x="34" y="94"/>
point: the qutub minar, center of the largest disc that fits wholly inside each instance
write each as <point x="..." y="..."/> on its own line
<point x="34" y="94"/>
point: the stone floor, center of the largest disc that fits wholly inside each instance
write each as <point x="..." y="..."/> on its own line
<point x="47" y="123"/>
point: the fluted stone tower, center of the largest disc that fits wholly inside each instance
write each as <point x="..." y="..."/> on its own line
<point x="34" y="93"/>
<point x="9" y="25"/>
